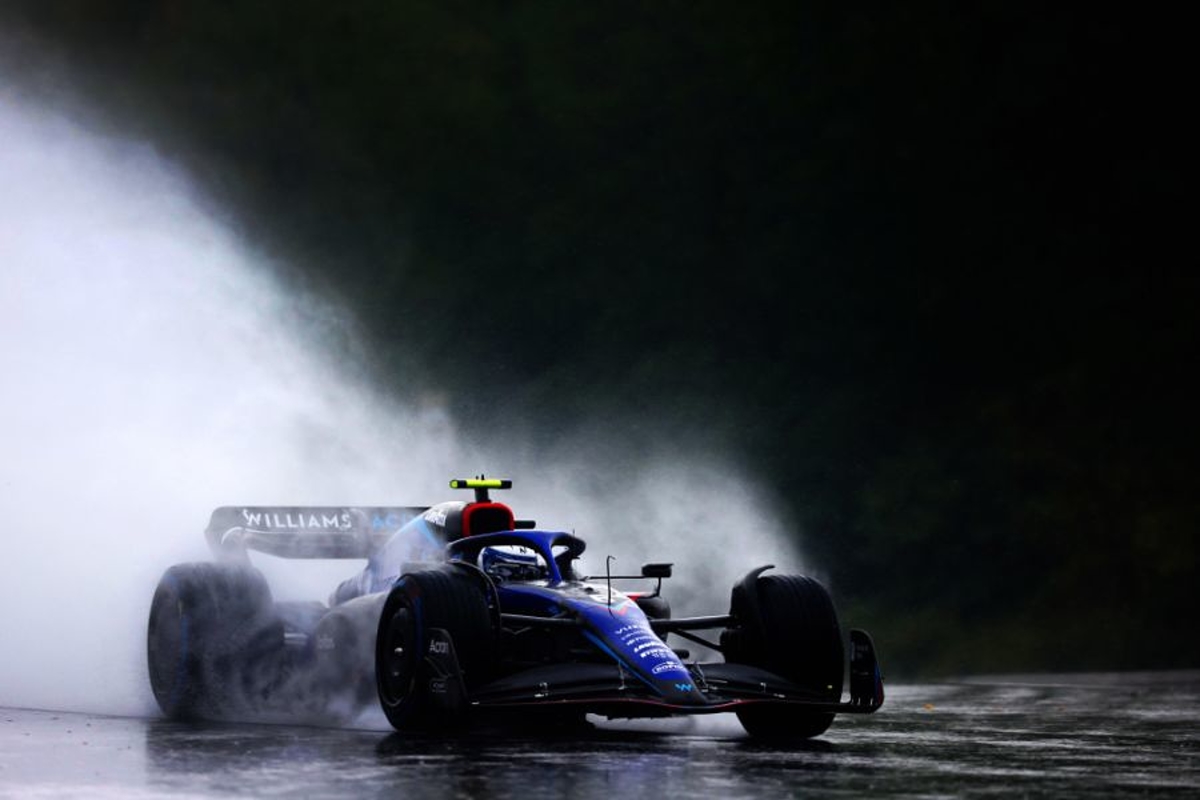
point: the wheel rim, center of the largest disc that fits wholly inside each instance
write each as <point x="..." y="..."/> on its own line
<point x="399" y="657"/>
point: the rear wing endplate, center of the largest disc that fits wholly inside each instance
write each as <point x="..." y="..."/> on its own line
<point x="305" y="531"/>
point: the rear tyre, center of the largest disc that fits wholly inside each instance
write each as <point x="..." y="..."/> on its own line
<point x="787" y="625"/>
<point x="212" y="642"/>
<point x="455" y="600"/>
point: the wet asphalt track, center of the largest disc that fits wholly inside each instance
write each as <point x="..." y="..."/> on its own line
<point x="1056" y="736"/>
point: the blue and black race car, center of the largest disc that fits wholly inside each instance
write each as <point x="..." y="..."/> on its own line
<point x="464" y="613"/>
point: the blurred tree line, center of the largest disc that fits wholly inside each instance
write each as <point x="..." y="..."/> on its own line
<point x="917" y="265"/>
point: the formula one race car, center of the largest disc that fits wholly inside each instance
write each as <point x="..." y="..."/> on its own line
<point x="464" y="613"/>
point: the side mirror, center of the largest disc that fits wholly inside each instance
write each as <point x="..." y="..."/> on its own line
<point x="659" y="571"/>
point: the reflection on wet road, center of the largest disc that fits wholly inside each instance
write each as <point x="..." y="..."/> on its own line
<point x="1116" y="735"/>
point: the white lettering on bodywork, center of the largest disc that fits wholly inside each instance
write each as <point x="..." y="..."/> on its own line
<point x="343" y="521"/>
<point x="667" y="666"/>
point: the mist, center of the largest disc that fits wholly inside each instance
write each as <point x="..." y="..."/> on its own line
<point x="155" y="367"/>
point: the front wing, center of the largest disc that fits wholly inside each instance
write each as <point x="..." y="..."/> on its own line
<point x="610" y="690"/>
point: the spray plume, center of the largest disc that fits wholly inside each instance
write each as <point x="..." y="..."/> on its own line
<point x="154" y="370"/>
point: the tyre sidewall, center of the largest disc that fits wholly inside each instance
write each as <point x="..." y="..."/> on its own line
<point x="211" y="633"/>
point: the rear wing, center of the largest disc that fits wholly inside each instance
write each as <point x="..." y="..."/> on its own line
<point x="305" y="531"/>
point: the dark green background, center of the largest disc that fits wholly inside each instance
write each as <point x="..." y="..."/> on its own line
<point x="921" y="267"/>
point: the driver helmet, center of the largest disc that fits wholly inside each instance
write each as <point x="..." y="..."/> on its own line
<point x="510" y="564"/>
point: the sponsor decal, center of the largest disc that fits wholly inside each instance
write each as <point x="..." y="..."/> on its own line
<point x="325" y="642"/>
<point x="667" y="666"/>
<point x="658" y="652"/>
<point x="683" y="687"/>
<point x="630" y="635"/>
<point x="439" y="647"/>
<point x="299" y="520"/>
<point x="436" y="516"/>
<point x="639" y="640"/>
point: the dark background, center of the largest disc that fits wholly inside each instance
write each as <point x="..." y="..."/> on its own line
<point x="920" y="267"/>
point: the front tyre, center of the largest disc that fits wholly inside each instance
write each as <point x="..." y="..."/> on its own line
<point x="421" y="609"/>
<point x="787" y="625"/>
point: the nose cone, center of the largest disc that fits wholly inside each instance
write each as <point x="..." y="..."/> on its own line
<point x="624" y="632"/>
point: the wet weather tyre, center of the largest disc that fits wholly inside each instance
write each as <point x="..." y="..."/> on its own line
<point x="455" y="601"/>
<point x="211" y="634"/>
<point x="787" y="626"/>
